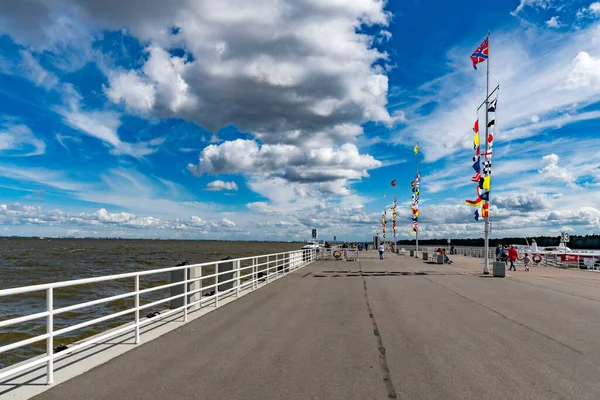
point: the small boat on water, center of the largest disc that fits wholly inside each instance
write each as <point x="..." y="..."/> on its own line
<point x="312" y="244"/>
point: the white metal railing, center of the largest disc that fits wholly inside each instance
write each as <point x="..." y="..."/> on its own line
<point x="260" y="270"/>
<point x="588" y="262"/>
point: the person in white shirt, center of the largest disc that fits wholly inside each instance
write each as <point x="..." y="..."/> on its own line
<point x="381" y="250"/>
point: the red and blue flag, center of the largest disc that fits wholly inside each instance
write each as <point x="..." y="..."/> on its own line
<point x="481" y="54"/>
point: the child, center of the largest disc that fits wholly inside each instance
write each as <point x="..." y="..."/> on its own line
<point x="526" y="260"/>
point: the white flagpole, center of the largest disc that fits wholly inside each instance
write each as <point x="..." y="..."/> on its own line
<point x="419" y="196"/>
<point x="486" y="229"/>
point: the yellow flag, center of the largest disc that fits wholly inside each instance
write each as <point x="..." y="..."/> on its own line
<point x="416" y="149"/>
<point x="486" y="183"/>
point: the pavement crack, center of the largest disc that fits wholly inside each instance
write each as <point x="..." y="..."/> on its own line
<point x="510" y="319"/>
<point x="383" y="364"/>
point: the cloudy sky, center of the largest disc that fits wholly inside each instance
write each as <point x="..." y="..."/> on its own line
<point x="236" y="119"/>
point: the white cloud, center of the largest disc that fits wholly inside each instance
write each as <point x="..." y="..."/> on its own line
<point x="133" y="90"/>
<point x="307" y="85"/>
<point x="535" y="119"/>
<point x="553" y="22"/>
<point x="35" y="72"/>
<point x="543" y="4"/>
<point x="103" y="125"/>
<point x="592" y="11"/>
<point x="221" y="185"/>
<point x="19" y="214"/>
<point x="314" y="94"/>
<point x="552" y="172"/>
<point x="20" y="139"/>
<point x="289" y="162"/>
<point x="585" y="71"/>
<point x="545" y="84"/>
<point x="522" y="202"/>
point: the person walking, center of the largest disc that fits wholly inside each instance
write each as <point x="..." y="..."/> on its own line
<point x="526" y="261"/>
<point x="381" y="250"/>
<point x="503" y="255"/>
<point x="498" y="251"/>
<point x="513" y="255"/>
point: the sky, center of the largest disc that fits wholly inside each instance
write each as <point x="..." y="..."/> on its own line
<point x="237" y="120"/>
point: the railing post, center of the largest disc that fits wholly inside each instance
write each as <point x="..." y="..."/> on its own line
<point x="254" y="274"/>
<point x="237" y="276"/>
<point x="268" y="267"/>
<point x="137" y="309"/>
<point x="185" y="294"/>
<point x="50" y="332"/>
<point x="216" y="285"/>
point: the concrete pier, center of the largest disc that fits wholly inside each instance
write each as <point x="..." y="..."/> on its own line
<point x="376" y="329"/>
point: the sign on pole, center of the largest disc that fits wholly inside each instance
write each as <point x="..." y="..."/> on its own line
<point x="335" y="238"/>
<point x="564" y="236"/>
<point x="314" y="233"/>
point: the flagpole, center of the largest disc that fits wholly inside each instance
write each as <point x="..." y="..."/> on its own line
<point x="417" y="233"/>
<point x="486" y="229"/>
<point x="395" y="205"/>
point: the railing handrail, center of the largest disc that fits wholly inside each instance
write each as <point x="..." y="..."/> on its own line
<point x="282" y="263"/>
<point x="84" y="281"/>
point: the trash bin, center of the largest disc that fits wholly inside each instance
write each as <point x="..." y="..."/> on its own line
<point x="412" y="253"/>
<point x="440" y="259"/>
<point x="499" y="269"/>
<point x="425" y="256"/>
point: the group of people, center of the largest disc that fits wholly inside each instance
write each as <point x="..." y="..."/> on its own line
<point x="442" y="251"/>
<point x="506" y="254"/>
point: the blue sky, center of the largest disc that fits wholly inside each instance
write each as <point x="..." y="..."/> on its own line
<point x="265" y="119"/>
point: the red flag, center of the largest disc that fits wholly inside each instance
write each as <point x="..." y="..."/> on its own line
<point x="481" y="54"/>
<point x="476" y="126"/>
<point x="394" y="182"/>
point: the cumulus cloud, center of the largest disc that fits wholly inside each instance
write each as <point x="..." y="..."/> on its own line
<point x="552" y="172"/>
<point x="306" y="84"/>
<point x="289" y="72"/>
<point x="553" y="22"/>
<point x="221" y="185"/>
<point x="285" y="161"/>
<point x="20" y="214"/>
<point x="585" y="71"/>
<point x="133" y="90"/>
<point x="521" y="202"/>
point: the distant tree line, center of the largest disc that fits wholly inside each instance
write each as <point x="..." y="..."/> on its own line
<point x="576" y="242"/>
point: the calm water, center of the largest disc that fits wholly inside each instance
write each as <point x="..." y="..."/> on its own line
<point x="34" y="261"/>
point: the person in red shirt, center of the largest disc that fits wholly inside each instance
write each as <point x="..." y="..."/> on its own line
<point x="513" y="254"/>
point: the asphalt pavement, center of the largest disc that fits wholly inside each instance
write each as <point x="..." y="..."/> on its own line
<point x="375" y="329"/>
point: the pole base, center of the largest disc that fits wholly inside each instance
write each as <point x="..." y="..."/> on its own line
<point x="486" y="272"/>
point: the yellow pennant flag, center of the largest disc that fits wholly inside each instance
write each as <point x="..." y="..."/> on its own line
<point x="416" y="149"/>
